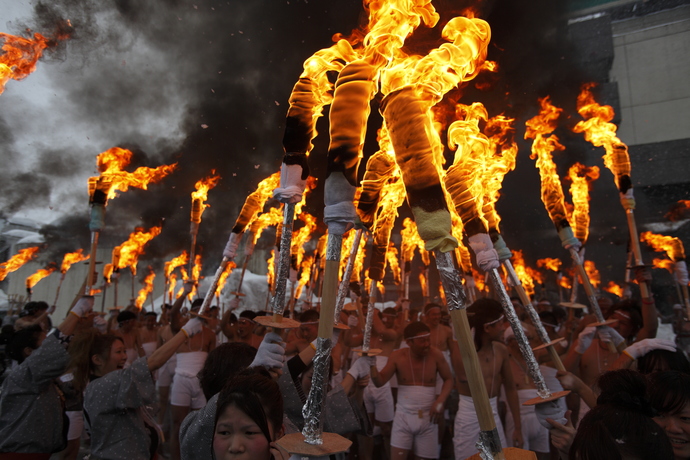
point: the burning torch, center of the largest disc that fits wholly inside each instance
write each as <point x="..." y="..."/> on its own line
<point x="67" y="261"/>
<point x="676" y="252"/>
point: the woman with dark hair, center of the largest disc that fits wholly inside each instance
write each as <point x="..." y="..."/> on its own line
<point x="669" y="393"/>
<point x="32" y="419"/>
<point x="249" y="418"/>
<point x="621" y="425"/>
<point x="115" y="398"/>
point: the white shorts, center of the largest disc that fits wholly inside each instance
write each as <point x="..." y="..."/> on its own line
<point x="535" y="436"/>
<point x="166" y="373"/>
<point x="76" y="424"/>
<point x="409" y="430"/>
<point x="379" y="401"/>
<point x="186" y="392"/>
<point x="467" y="427"/>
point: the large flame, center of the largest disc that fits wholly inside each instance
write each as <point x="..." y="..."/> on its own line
<point x="72" y="258"/>
<point x="565" y="282"/>
<point x="271" y="276"/>
<point x="582" y="178"/>
<point x="302" y="236"/>
<point x="392" y="259"/>
<point x="503" y="152"/>
<point x="660" y="243"/>
<point x="130" y="250"/>
<point x="200" y="194"/>
<point x="359" y="261"/>
<point x="224" y="277"/>
<point x="175" y="262"/>
<point x="108" y="272"/>
<point x="113" y="179"/>
<point x="539" y="128"/>
<point x="410" y="239"/>
<point x="39" y="275"/>
<point x="550" y="264"/>
<point x="348" y="241"/>
<point x="254" y="203"/>
<point x="305" y="274"/>
<point x="146" y="290"/>
<point x="523" y="274"/>
<point x="172" y="282"/>
<point x="592" y="273"/>
<point x="599" y="131"/>
<point x="665" y="264"/>
<point x="17" y="260"/>
<point x="613" y="288"/>
<point x="479" y="280"/>
<point x="20" y="55"/>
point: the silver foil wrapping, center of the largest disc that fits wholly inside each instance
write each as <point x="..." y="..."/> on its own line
<point x="283" y="269"/>
<point x="525" y="349"/>
<point x="369" y="323"/>
<point x="489" y="444"/>
<point x="591" y="295"/>
<point x="450" y="278"/>
<point x="344" y="285"/>
<point x="334" y="246"/>
<point x="214" y="285"/>
<point x="531" y="311"/>
<point x="313" y="408"/>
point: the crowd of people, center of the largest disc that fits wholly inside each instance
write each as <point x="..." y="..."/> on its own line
<point x="209" y="384"/>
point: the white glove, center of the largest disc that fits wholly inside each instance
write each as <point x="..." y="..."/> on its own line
<point x="552" y="410"/>
<point x="100" y="324"/>
<point x="192" y="327"/>
<point x="360" y="368"/>
<point x="352" y="321"/>
<point x="641" y="348"/>
<point x="609" y="334"/>
<point x="84" y="306"/>
<point x="584" y="340"/>
<point x="234" y="303"/>
<point x="271" y="352"/>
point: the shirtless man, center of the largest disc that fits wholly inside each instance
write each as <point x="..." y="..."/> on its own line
<point x="165" y="374"/>
<point x="486" y="317"/>
<point x="185" y="392"/>
<point x="536" y="437"/>
<point x="127" y="330"/>
<point x="419" y="409"/>
<point x="308" y="331"/>
<point x="148" y="333"/>
<point x="245" y="329"/>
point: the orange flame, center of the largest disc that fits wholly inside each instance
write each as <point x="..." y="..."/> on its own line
<point x="678" y="210"/>
<point x="200" y="194"/>
<point x="224" y="277"/>
<point x="302" y="236"/>
<point x="423" y="284"/>
<point x="274" y="216"/>
<point x="392" y="259"/>
<point x="600" y="132"/>
<point x="39" y="275"/>
<point x="305" y="274"/>
<point x="17" y="260"/>
<point x="21" y="55"/>
<point x="672" y="246"/>
<point x="359" y="260"/>
<point x="113" y="179"/>
<point x="175" y="262"/>
<point x="550" y="264"/>
<point x="146" y="290"/>
<point x="538" y="128"/>
<point x="523" y="274"/>
<point x="479" y="280"/>
<point x="131" y="249"/>
<point x="582" y="178"/>
<point x="664" y="264"/>
<point x="503" y="149"/>
<point x="348" y="241"/>
<point x="107" y="272"/>
<point x="271" y="276"/>
<point x="410" y="239"/>
<point x="592" y="273"/>
<point x="564" y="282"/>
<point x="172" y="280"/>
<point x="613" y="288"/>
<point x="72" y="258"/>
<point x="311" y="185"/>
<point x="254" y="203"/>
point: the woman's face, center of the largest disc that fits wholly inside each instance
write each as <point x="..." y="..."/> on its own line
<point x="677" y="428"/>
<point x="116" y="358"/>
<point x="238" y="437"/>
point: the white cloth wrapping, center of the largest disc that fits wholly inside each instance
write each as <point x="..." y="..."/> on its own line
<point x="502" y="249"/>
<point x="627" y="199"/>
<point x="291" y="184"/>
<point x="340" y="213"/>
<point x="483" y="248"/>
<point x="189" y="364"/>
<point x="231" y="247"/>
<point x="681" y="273"/>
<point x="568" y="240"/>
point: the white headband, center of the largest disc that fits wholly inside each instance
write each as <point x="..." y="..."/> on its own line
<point x="428" y="334"/>
<point x="500" y="318"/>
